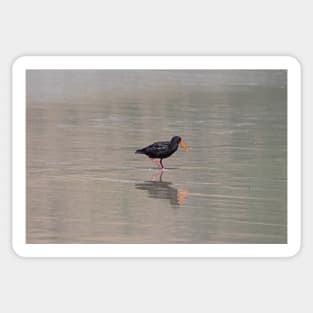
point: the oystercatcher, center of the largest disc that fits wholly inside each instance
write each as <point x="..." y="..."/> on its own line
<point x="163" y="149"/>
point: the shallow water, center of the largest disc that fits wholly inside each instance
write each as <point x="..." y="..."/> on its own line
<point x="86" y="185"/>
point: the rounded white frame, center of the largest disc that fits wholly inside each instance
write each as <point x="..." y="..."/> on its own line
<point x="23" y="249"/>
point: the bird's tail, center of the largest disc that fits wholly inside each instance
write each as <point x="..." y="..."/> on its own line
<point x="140" y="151"/>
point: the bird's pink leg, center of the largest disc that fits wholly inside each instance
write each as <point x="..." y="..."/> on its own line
<point x="156" y="162"/>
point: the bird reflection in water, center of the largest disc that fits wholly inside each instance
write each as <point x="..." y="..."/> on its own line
<point x="159" y="189"/>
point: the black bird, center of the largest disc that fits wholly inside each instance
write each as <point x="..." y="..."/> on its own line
<point x="163" y="149"/>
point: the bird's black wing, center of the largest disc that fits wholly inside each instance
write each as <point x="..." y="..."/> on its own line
<point x="157" y="149"/>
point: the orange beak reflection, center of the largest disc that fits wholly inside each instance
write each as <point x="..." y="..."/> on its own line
<point x="183" y="145"/>
<point x="182" y="196"/>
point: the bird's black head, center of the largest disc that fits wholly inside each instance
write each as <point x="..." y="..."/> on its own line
<point x="176" y="140"/>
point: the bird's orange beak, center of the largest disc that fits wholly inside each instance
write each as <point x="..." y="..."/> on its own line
<point x="183" y="145"/>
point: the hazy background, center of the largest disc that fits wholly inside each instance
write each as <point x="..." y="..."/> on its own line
<point x="86" y="185"/>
